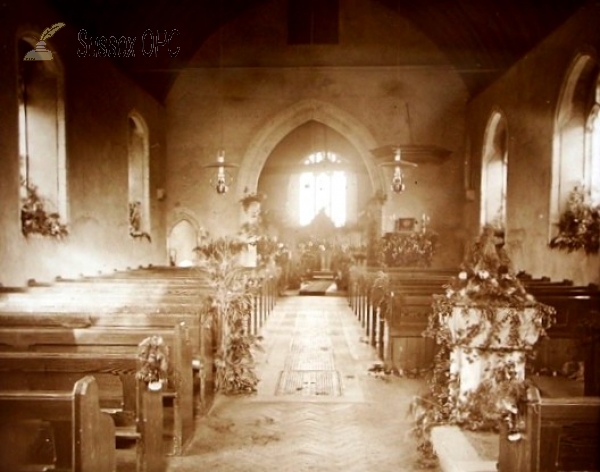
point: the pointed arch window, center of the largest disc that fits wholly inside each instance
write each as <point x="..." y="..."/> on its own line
<point x="139" y="176"/>
<point x="495" y="172"/>
<point x="576" y="146"/>
<point x="593" y="146"/>
<point x="41" y="117"/>
<point x="323" y="187"/>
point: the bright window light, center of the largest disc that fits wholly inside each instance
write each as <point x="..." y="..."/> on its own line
<point x="322" y="188"/>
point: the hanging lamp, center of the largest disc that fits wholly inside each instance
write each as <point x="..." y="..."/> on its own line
<point x="392" y="155"/>
<point x="222" y="178"/>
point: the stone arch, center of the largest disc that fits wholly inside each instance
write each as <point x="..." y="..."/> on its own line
<point x="183" y="236"/>
<point x="275" y="129"/>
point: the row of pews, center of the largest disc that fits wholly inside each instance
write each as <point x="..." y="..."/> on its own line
<point x="562" y="432"/>
<point x="79" y="339"/>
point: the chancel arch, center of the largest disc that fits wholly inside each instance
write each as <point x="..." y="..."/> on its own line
<point x="280" y="125"/>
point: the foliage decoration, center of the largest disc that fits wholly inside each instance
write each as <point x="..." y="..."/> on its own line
<point x="579" y="225"/>
<point x="153" y="355"/>
<point x="35" y="219"/>
<point x="227" y="313"/>
<point x="135" y="221"/>
<point x="411" y="249"/>
<point x="250" y="198"/>
<point x="510" y="322"/>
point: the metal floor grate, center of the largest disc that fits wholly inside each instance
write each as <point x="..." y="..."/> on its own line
<point x="309" y="383"/>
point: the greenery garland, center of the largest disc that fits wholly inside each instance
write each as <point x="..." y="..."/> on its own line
<point x="227" y="312"/>
<point x="487" y="283"/>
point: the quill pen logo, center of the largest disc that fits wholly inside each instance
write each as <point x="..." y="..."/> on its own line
<point x="40" y="53"/>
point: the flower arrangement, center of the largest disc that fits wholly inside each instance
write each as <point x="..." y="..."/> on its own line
<point x="579" y="225"/>
<point x="250" y="198"/>
<point x="413" y="249"/>
<point x="35" y="219"/>
<point x="153" y="355"/>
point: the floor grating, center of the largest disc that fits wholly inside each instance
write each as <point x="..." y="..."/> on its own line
<point x="309" y="383"/>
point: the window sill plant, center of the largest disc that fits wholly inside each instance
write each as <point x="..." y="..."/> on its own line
<point x="579" y="225"/>
<point x="35" y="219"/>
<point x="135" y="222"/>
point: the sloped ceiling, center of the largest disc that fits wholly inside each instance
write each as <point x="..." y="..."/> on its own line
<point x="480" y="38"/>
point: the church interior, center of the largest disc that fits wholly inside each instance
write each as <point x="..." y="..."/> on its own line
<point x="359" y="162"/>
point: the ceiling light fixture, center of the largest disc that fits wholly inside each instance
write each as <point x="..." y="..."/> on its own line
<point x="392" y="155"/>
<point x="222" y="179"/>
<point x="397" y="184"/>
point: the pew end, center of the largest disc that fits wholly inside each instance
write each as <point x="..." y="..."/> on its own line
<point x="559" y="434"/>
<point x="84" y="436"/>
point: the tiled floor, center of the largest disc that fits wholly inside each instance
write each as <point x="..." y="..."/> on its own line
<point x="317" y="407"/>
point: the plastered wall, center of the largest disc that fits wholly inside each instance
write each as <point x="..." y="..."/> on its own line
<point x="97" y="100"/>
<point x="384" y="83"/>
<point x="528" y="95"/>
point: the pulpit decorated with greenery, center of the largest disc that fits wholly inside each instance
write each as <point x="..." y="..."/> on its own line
<point x="484" y="325"/>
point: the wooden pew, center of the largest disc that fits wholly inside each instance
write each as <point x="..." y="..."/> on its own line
<point x="560" y="434"/>
<point x="407" y="318"/>
<point x="31" y="352"/>
<point x="85" y="436"/>
<point x="572" y="302"/>
<point x="51" y="370"/>
<point x="143" y="297"/>
<point x="567" y="341"/>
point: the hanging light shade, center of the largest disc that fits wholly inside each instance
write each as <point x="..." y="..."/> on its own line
<point x="393" y="155"/>
<point x="222" y="178"/>
<point x="397" y="184"/>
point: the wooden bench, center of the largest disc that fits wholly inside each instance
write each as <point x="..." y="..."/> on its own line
<point x="572" y="302"/>
<point x="560" y="434"/>
<point x="407" y="319"/>
<point x="84" y="436"/>
<point x="31" y="352"/>
<point x="52" y="370"/>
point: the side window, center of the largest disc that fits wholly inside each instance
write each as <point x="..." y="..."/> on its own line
<point x="593" y="146"/>
<point x="139" y="176"/>
<point x="576" y="146"/>
<point x="42" y="150"/>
